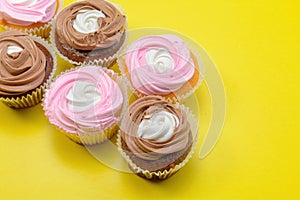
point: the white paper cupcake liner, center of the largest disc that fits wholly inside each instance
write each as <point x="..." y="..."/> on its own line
<point x="93" y="138"/>
<point x="166" y="173"/>
<point x="178" y="98"/>
<point x="105" y="62"/>
<point x="40" y="31"/>
<point x="201" y="70"/>
<point x="36" y="96"/>
<point x="102" y="136"/>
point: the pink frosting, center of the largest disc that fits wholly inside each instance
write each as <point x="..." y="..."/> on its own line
<point x="147" y="80"/>
<point x="24" y="15"/>
<point x="93" y="120"/>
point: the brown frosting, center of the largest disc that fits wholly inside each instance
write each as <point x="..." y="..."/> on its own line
<point x="111" y="28"/>
<point x="151" y="149"/>
<point x="23" y="71"/>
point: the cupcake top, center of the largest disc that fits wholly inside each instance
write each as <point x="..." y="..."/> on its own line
<point x="22" y="63"/>
<point x="159" y="64"/>
<point x="27" y="12"/>
<point x="153" y="128"/>
<point x="84" y="100"/>
<point x="90" y="24"/>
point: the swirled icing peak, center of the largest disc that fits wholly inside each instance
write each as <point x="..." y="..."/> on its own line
<point x="90" y="24"/>
<point x="13" y="49"/>
<point x="159" y="126"/>
<point x="160" y="60"/>
<point x="22" y="63"/>
<point x="83" y="96"/>
<point x="84" y="100"/>
<point x="27" y="12"/>
<point x="159" y="64"/>
<point x="87" y="21"/>
<point x="152" y="128"/>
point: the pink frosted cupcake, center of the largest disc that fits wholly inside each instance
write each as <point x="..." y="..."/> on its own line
<point x="86" y="104"/>
<point x="161" y="65"/>
<point x="30" y="16"/>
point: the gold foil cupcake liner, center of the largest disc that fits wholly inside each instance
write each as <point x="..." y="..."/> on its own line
<point x="161" y="175"/>
<point x="93" y="138"/>
<point x="42" y="30"/>
<point x="35" y="97"/>
<point x="178" y="96"/>
<point x="105" y="62"/>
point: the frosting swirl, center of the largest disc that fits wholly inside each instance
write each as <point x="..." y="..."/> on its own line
<point x="153" y="128"/>
<point x="87" y="22"/>
<point x="160" y="60"/>
<point x="159" y="126"/>
<point x="27" y="12"/>
<point x="89" y="25"/>
<point x="83" y="96"/>
<point x="159" y="64"/>
<point x="22" y="64"/>
<point x="84" y="100"/>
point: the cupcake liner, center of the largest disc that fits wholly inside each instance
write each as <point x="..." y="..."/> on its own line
<point x="201" y="71"/>
<point x="42" y="30"/>
<point x="92" y="138"/>
<point x="105" y="62"/>
<point x="36" y="96"/>
<point x="161" y="175"/>
<point x="100" y="137"/>
<point x="123" y="86"/>
<point x="187" y="89"/>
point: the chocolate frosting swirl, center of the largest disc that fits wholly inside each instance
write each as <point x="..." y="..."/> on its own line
<point x="152" y="149"/>
<point x="20" y="71"/>
<point x="111" y="27"/>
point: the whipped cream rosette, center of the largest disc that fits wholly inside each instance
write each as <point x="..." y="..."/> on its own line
<point x="90" y="32"/>
<point x="30" y="16"/>
<point x="161" y="65"/>
<point x="86" y="103"/>
<point x="156" y="137"/>
<point x="27" y="64"/>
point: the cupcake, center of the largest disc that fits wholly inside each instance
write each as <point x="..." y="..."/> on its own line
<point x="86" y="104"/>
<point x="155" y="137"/>
<point x="161" y="65"/>
<point x="30" y="16"/>
<point x="91" y="31"/>
<point x="27" y="64"/>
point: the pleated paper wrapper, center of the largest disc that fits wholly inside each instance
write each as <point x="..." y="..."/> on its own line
<point x="35" y="97"/>
<point x="88" y="138"/>
<point x="161" y="175"/>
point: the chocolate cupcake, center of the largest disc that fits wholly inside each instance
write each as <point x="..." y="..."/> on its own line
<point x="26" y="66"/>
<point x="91" y="31"/>
<point x="155" y="137"/>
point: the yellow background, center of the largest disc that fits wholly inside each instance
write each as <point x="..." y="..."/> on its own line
<point x="256" y="46"/>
